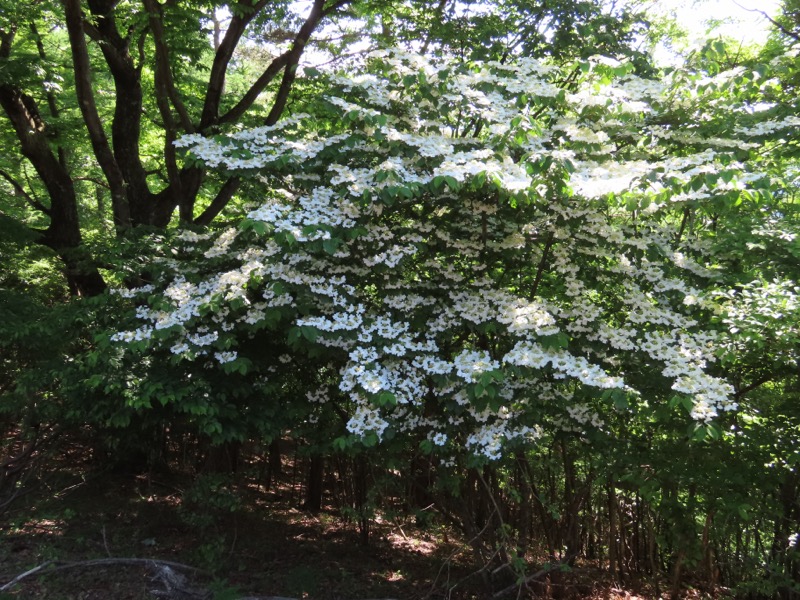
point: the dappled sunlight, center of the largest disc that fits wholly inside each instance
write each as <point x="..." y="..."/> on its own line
<point x="413" y="544"/>
<point x="41" y="527"/>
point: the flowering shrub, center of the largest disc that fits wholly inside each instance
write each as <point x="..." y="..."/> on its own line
<point x="477" y="252"/>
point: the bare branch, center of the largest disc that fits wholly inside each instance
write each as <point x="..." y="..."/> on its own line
<point x="94" y="180"/>
<point x="174" y="582"/>
<point x="548" y="568"/>
<point x="794" y="35"/>
<point x="100" y="562"/>
<point x="25" y="575"/>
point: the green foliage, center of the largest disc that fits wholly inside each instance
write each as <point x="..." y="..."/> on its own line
<point x="208" y="508"/>
<point x="703" y="235"/>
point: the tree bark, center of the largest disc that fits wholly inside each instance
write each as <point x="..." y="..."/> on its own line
<point x="91" y="117"/>
<point x="116" y="145"/>
<point x="314" y="487"/>
<point x="126" y="125"/>
<point x="63" y="234"/>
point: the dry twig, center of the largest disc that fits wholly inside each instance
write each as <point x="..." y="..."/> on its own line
<point x="98" y="562"/>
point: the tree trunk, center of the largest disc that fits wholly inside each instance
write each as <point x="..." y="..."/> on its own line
<point x="362" y="505"/>
<point x="63" y="235"/>
<point x="677" y="570"/>
<point x="614" y="559"/>
<point x="709" y="564"/>
<point x="275" y="463"/>
<point x="222" y="458"/>
<point x="572" y="504"/>
<point x="314" y="484"/>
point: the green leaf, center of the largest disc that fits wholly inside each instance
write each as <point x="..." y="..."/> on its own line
<point x="310" y="333"/>
<point x="331" y="245"/>
<point x="295" y="333"/>
<point x="451" y="182"/>
<point x="620" y="400"/>
<point x="386" y="399"/>
<point x="713" y="431"/>
<point x="744" y="511"/>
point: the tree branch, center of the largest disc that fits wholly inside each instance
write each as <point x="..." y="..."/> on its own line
<point x="91" y="117"/>
<point x="235" y="113"/>
<point x="163" y="71"/>
<point x="551" y="238"/>
<point x="684" y="221"/>
<point x="100" y="562"/>
<point x="795" y="36"/>
<point x="219" y="68"/>
<point x="317" y="13"/>
<point x="163" y="84"/>
<point x="548" y="568"/>
<point x="438" y="15"/>
<point x="51" y="97"/>
<point x="126" y="125"/>
<point x="220" y="201"/>
<point x="112" y="44"/>
<point x="32" y="134"/>
<point x="6" y="40"/>
<point x="21" y="192"/>
<point x="752" y="385"/>
<point x="94" y="180"/>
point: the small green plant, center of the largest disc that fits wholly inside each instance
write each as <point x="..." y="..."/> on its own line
<point x="206" y="508"/>
<point x="222" y="590"/>
<point x="302" y="581"/>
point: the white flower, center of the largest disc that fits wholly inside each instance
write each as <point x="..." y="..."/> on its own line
<point x="225" y="357"/>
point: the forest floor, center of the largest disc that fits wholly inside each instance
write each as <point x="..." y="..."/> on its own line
<point x="264" y="546"/>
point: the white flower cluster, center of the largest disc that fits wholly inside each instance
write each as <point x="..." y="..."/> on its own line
<point x="466" y="260"/>
<point x="225" y="357"/>
<point x="471" y="364"/>
<point x="132" y="292"/>
<point x="533" y="355"/>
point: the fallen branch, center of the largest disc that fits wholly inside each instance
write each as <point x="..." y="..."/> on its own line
<point x="176" y="584"/>
<point x="548" y="568"/>
<point x="98" y="562"/>
<point x="22" y="576"/>
<point x="525" y="581"/>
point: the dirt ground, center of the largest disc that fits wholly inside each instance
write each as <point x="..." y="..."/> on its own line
<point x="255" y="543"/>
<point x="264" y="544"/>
